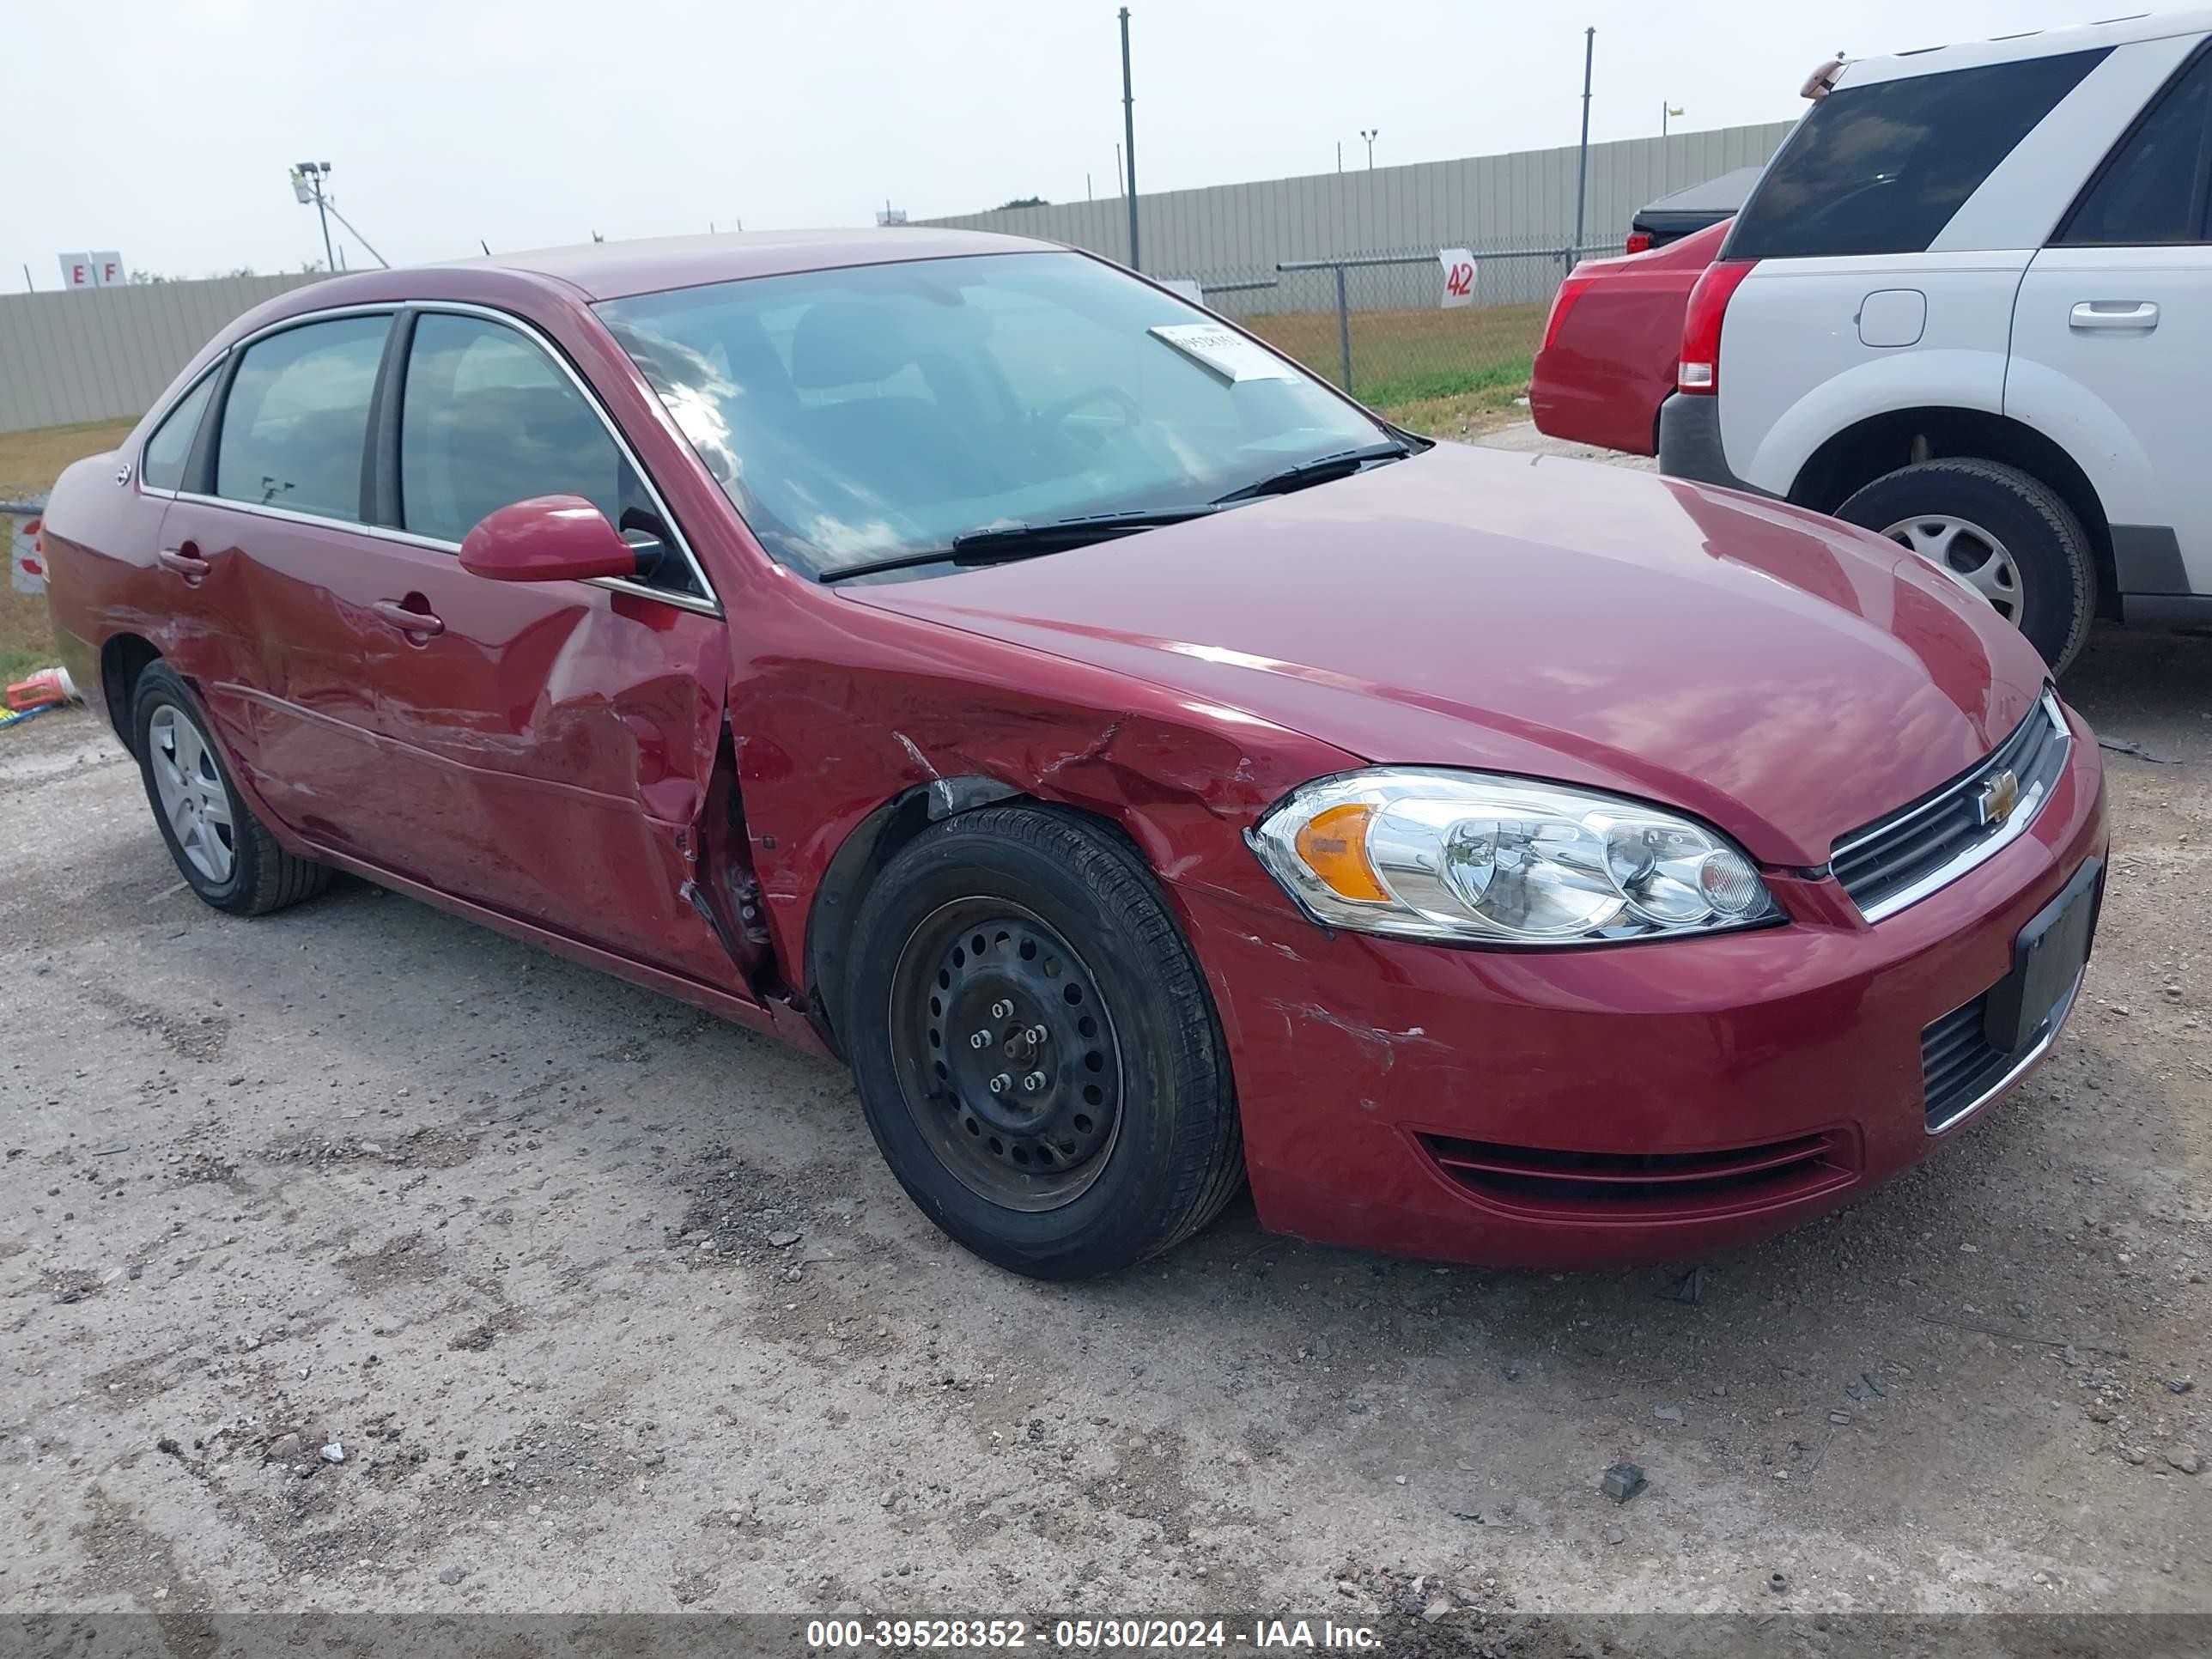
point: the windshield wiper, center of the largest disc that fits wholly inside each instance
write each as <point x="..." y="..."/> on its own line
<point x="1005" y="543"/>
<point x="1320" y="469"/>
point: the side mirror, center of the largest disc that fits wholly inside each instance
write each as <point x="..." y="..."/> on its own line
<point x="548" y="538"/>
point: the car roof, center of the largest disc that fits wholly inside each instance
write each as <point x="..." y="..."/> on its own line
<point x="2032" y="43"/>
<point x="610" y="271"/>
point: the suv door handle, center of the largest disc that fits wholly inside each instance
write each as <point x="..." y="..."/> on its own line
<point x="184" y="560"/>
<point x="2114" y="314"/>
<point x="407" y="621"/>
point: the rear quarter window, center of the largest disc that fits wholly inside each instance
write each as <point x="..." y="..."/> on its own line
<point x="1881" y="168"/>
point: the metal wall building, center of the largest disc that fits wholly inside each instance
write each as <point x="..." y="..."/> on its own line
<point x="99" y="354"/>
<point x="1521" y="200"/>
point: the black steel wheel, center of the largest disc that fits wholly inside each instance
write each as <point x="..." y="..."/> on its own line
<point x="1002" y="1034"/>
<point x="1035" y="1049"/>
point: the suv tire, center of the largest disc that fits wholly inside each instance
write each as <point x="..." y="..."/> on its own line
<point x="2007" y="533"/>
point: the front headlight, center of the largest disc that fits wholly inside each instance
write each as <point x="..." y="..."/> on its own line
<point x="1477" y="859"/>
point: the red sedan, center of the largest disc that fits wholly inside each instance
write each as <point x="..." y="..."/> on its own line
<point x="1610" y="343"/>
<point x="1144" y="767"/>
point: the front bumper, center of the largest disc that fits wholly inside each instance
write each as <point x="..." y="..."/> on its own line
<point x="1619" y="1104"/>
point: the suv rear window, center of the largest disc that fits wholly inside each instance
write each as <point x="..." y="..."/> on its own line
<point x="1881" y="168"/>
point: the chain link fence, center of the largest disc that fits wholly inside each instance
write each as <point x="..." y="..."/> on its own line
<point x="1374" y="324"/>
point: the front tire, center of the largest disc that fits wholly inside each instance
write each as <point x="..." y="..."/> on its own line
<point x="224" y="853"/>
<point x="2006" y="533"/>
<point x="1036" y="1052"/>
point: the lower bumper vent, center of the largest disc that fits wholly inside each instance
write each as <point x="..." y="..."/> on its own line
<point x="1639" y="1186"/>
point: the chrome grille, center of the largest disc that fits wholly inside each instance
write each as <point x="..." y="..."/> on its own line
<point x="1938" y="838"/>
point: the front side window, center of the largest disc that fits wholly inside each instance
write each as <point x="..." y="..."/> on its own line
<point x="296" y="422"/>
<point x="488" y="420"/>
<point x="875" y="411"/>
<point x="171" y="446"/>
<point x="1881" y="168"/>
<point x="2152" y="189"/>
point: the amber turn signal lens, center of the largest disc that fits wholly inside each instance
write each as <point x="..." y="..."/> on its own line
<point x="1333" y="844"/>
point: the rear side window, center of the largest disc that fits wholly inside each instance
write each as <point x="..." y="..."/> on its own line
<point x="166" y="451"/>
<point x="2152" y="189"/>
<point x="297" y="418"/>
<point x="488" y="420"/>
<point x="1881" y="168"/>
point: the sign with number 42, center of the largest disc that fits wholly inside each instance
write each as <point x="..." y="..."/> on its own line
<point x="1459" y="277"/>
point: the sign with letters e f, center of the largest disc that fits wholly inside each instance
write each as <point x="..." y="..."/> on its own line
<point x="1459" y="277"/>
<point x="102" y="269"/>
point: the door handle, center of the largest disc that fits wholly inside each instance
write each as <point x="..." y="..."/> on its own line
<point x="184" y="560"/>
<point x="407" y="621"/>
<point x="2114" y="314"/>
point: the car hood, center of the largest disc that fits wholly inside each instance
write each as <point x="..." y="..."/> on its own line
<point x="1783" y="675"/>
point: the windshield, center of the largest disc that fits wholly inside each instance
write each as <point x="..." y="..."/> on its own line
<point x="862" y="414"/>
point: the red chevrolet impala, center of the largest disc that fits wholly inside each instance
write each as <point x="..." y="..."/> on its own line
<point x="1146" y="767"/>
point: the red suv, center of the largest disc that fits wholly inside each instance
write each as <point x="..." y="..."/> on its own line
<point x="1143" y="766"/>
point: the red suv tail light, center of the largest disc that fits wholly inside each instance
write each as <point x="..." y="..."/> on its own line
<point x="1699" y="369"/>
<point x="1639" y="241"/>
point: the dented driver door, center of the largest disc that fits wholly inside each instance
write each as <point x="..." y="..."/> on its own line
<point x="550" y="744"/>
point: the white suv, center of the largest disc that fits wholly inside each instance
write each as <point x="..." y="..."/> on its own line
<point x="1969" y="306"/>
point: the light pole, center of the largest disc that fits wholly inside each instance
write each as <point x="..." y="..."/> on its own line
<point x="307" y="186"/>
<point x="1666" y="110"/>
<point x="1370" y="134"/>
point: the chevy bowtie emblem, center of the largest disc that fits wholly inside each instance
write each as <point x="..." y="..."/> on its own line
<point x="1994" y="801"/>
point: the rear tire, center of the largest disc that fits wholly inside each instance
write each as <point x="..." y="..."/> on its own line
<point x="1094" y="1123"/>
<point x="223" y="851"/>
<point x="2007" y="533"/>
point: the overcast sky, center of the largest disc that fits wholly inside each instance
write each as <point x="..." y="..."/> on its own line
<point x="163" y="127"/>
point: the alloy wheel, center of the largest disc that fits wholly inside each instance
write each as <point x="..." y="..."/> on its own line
<point x="194" y="799"/>
<point x="1968" y="552"/>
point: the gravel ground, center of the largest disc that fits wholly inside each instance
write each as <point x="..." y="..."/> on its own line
<point x="610" y="1306"/>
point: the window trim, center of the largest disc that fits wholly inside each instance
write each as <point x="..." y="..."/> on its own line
<point x="2201" y="188"/>
<point x="400" y="312"/>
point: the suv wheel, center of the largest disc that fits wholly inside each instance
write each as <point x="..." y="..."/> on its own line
<point x="2005" y="534"/>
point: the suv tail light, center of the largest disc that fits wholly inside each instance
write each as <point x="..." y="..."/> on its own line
<point x="1699" y="369"/>
<point x="1570" y="290"/>
<point x="1639" y="241"/>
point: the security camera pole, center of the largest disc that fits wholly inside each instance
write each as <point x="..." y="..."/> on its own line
<point x="307" y="185"/>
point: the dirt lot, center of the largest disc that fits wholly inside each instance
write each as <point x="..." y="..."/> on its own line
<point x="506" y="1231"/>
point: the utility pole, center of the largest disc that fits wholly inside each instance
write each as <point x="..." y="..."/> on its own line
<point x="1340" y="155"/>
<point x="1129" y="136"/>
<point x="1581" y="160"/>
<point x="1370" y="134"/>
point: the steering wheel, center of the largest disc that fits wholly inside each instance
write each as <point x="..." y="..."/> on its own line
<point x="1053" y="415"/>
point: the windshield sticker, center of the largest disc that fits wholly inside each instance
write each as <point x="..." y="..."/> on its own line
<point x="1225" y="351"/>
